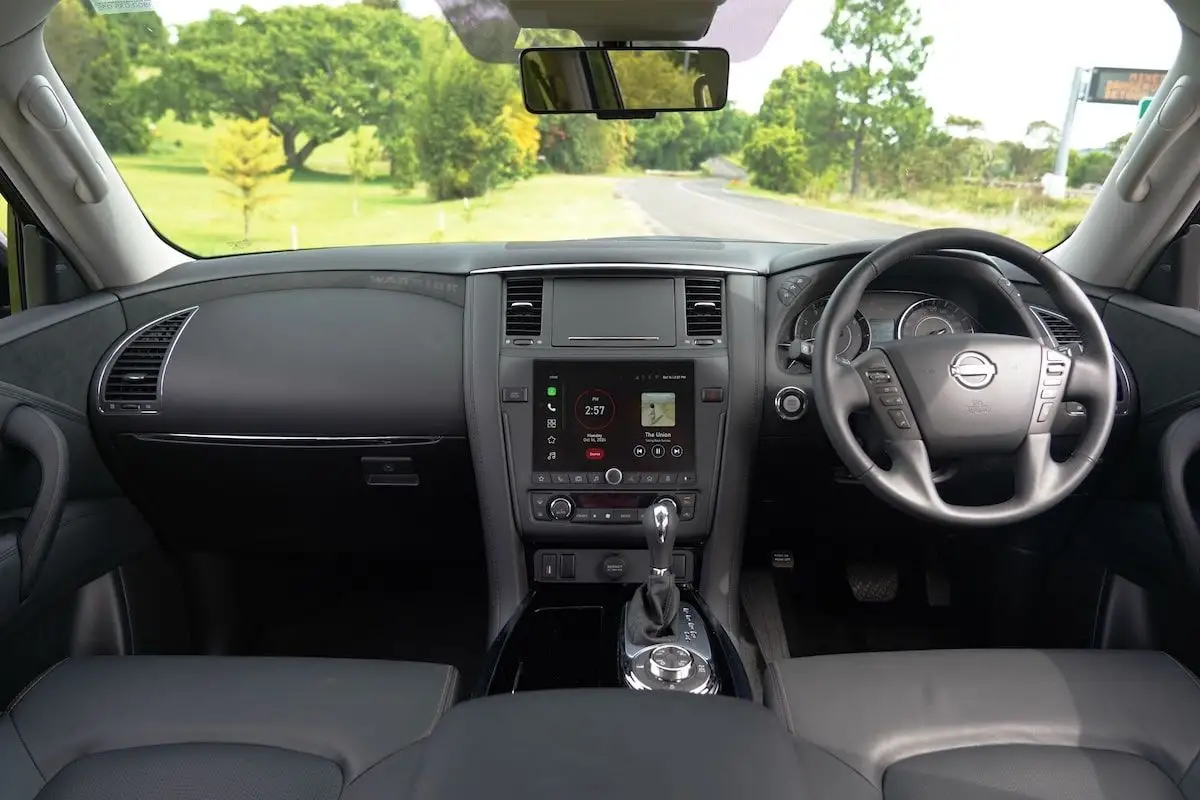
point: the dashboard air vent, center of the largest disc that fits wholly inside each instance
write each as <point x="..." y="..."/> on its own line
<point x="703" y="304"/>
<point x="523" y="307"/>
<point x="1062" y="330"/>
<point x="135" y="378"/>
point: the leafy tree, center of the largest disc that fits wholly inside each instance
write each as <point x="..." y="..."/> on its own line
<point x="364" y="152"/>
<point x="460" y="132"/>
<point x="777" y="159"/>
<point x="1041" y="135"/>
<point x="522" y="128"/>
<point x="248" y="158"/>
<point x="804" y="98"/>
<point x="385" y="5"/>
<point x="146" y="36"/>
<point x="963" y="126"/>
<point x="314" y="72"/>
<point x="880" y="59"/>
<point x="92" y="57"/>
<point x="581" y="144"/>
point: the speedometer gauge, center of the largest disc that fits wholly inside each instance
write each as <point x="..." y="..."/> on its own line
<point x="853" y="339"/>
<point x="934" y="316"/>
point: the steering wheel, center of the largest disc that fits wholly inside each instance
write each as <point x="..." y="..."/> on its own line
<point x="965" y="394"/>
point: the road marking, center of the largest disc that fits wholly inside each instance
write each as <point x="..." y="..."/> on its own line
<point x="791" y="223"/>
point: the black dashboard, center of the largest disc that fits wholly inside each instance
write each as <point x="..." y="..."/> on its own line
<point x="551" y="390"/>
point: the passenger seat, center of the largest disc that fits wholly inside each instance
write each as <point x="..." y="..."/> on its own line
<point x="211" y="728"/>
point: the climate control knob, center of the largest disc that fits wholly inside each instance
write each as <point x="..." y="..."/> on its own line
<point x="561" y="508"/>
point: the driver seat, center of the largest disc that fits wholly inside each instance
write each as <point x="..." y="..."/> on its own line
<point x="993" y="724"/>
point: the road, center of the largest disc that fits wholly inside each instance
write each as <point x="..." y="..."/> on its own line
<point x="702" y="207"/>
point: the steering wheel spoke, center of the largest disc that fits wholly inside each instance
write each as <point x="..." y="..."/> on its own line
<point x="1089" y="381"/>
<point x="1036" y="474"/>
<point x="911" y="474"/>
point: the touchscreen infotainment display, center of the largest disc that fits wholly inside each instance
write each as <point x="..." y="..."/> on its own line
<point x="592" y="415"/>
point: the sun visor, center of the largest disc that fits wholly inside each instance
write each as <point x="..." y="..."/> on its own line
<point x="490" y="29"/>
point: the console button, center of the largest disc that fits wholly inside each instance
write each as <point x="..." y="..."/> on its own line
<point x="678" y="564"/>
<point x="539" y="503"/>
<point x="712" y="395"/>
<point x="688" y="513"/>
<point x="649" y="477"/>
<point x="514" y="394"/>
<point x="548" y="568"/>
<point x="541" y="479"/>
<point x="626" y="515"/>
<point x="687" y="479"/>
<point x="579" y="478"/>
<point x="559" y="477"/>
<point x="613" y="568"/>
<point x="595" y="477"/>
<point x="584" y="515"/>
<point x="668" y="478"/>
<point x="604" y="515"/>
<point x="566" y="567"/>
<point x="613" y="476"/>
<point x="631" y="477"/>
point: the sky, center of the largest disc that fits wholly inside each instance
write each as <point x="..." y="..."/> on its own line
<point x="1004" y="63"/>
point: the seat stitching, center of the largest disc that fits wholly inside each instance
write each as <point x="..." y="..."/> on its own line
<point x="777" y="684"/>
<point x="16" y="700"/>
<point x="1186" y="671"/>
<point x="444" y="700"/>
<point x="397" y="752"/>
<point x="28" y="752"/>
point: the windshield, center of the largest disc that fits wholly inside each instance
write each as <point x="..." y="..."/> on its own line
<point x="271" y="126"/>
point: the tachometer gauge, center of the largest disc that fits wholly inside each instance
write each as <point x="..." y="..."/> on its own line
<point x="853" y="340"/>
<point x="934" y="316"/>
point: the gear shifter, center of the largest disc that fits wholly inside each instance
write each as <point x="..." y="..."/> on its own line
<point x="650" y="616"/>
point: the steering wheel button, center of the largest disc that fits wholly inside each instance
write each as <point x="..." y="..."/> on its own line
<point x="879" y="376"/>
<point x="887" y="390"/>
<point x="1045" y="411"/>
<point x="1055" y="369"/>
<point x="1053" y="382"/>
<point x="900" y="419"/>
<point x="1049" y="394"/>
<point x="892" y="401"/>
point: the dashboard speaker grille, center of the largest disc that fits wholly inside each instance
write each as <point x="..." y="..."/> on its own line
<point x="523" y="307"/>
<point x="1059" y="327"/>
<point x="135" y="379"/>
<point x="704" y="305"/>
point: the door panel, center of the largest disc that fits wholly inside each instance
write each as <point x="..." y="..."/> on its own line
<point x="47" y="358"/>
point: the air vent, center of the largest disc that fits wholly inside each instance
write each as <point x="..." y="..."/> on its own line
<point x="703" y="304"/>
<point x="1059" y="327"/>
<point x="133" y="382"/>
<point x="523" y="307"/>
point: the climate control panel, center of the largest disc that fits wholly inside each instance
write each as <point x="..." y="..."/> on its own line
<point x="606" y="507"/>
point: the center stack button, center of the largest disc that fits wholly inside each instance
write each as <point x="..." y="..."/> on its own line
<point x="613" y="476"/>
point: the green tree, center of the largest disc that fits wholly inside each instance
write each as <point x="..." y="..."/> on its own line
<point x="580" y="144"/>
<point x="880" y="58"/>
<point x="92" y="58"/>
<point x="314" y="72"/>
<point x="804" y="98"/>
<point x="361" y="157"/>
<point x="777" y="159"/>
<point x="247" y="157"/>
<point x="462" y="141"/>
<point x="146" y="36"/>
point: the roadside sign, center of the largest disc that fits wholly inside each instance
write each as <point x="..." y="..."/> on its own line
<point x="1144" y="106"/>
<point x="1123" y="86"/>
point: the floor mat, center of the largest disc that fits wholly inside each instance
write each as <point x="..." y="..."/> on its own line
<point x="368" y="607"/>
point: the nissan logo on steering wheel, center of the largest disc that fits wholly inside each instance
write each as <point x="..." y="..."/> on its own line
<point x="973" y="370"/>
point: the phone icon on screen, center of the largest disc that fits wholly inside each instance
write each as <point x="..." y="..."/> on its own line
<point x="551" y="408"/>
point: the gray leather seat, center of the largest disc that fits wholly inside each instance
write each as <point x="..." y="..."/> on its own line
<point x="992" y="724"/>
<point x="155" y="728"/>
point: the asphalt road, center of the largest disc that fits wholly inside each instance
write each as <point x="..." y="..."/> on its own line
<point x="702" y="207"/>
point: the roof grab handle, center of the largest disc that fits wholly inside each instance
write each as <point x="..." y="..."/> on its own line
<point x="40" y="105"/>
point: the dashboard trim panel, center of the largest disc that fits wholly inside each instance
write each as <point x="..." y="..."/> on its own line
<point x="623" y="265"/>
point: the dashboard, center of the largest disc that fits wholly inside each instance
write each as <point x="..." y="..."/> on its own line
<point x="559" y="388"/>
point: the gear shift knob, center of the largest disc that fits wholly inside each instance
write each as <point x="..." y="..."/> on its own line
<point x="661" y="523"/>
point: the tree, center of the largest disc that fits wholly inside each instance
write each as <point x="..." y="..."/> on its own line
<point x="460" y="133"/>
<point x="314" y="72"/>
<point x="880" y="60"/>
<point x="247" y="156"/>
<point x="92" y="58"/>
<point x="144" y="32"/>
<point x="522" y="128"/>
<point x="776" y="159"/>
<point x="360" y="160"/>
<point x="963" y="126"/>
<point x="804" y="98"/>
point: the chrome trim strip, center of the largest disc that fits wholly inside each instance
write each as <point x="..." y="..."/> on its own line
<point x="613" y="338"/>
<point x="326" y="441"/>
<point x="616" y="265"/>
<point x="129" y="337"/>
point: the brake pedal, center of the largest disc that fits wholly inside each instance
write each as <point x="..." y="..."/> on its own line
<point x="873" y="583"/>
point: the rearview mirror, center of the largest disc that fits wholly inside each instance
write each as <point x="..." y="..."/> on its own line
<point x="636" y="81"/>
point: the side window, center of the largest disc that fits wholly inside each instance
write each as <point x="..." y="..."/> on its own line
<point x="47" y="279"/>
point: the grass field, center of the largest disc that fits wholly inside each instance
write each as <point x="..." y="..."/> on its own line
<point x="187" y="205"/>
